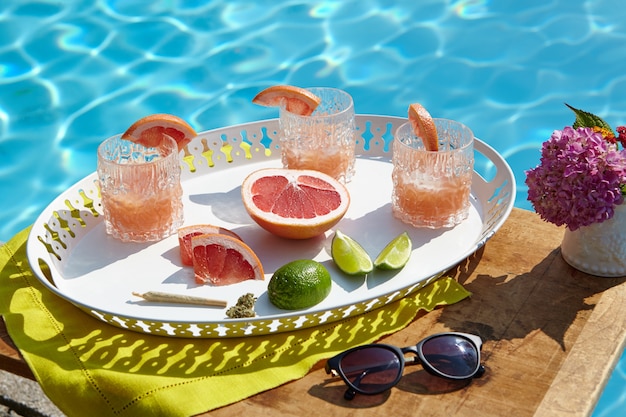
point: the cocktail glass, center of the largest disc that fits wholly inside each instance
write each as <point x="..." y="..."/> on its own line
<point x="432" y="189"/>
<point x="323" y="141"/>
<point x="140" y="189"/>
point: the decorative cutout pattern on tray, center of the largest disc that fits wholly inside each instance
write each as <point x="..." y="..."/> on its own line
<point x="74" y="214"/>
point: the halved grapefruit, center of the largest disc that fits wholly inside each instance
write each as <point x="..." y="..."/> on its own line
<point x="187" y="232"/>
<point x="295" y="204"/>
<point x="220" y="259"/>
<point x="423" y="126"/>
<point x="294" y="99"/>
<point x="148" y="131"/>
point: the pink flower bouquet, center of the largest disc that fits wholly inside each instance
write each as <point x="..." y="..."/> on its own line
<point x="581" y="177"/>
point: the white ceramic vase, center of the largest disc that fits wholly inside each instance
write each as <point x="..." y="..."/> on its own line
<point x="600" y="248"/>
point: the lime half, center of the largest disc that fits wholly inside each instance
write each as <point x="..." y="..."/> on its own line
<point x="349" y="256"/>
<point x="299" y="284"/>
<point x="396" y="254"/>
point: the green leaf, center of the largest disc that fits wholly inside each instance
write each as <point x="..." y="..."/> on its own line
<point x="585" y="119"/>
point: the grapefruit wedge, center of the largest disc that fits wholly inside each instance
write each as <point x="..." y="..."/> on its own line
<point x="294" y="204"/>
<point x="148" y="131"/>
<point x="220" y="259"/>
<point x="187" y="232"/>
<point x="294" y="99"/>
<point x="423" y="126"/>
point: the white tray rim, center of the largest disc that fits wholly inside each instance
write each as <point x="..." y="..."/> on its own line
<point x="495" y="197"/>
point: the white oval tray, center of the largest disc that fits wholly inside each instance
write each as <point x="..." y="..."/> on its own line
<point x="71" y="254"/>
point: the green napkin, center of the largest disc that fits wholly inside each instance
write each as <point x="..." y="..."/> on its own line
<point x="84" y="364"/>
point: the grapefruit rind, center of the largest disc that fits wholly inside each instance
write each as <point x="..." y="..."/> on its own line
<point x="290" y="227"/>
<point x="185" y="234"/>
<point x="424" y="126"/>
<point x="293" y="99"/>
<point x="204" y="264"/>
<point x="149" y="130"/>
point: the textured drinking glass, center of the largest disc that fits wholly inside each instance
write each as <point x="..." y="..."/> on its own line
<point x="140" y="189"/>
<point x="432" y="189"/>
<point x="323" y="141"/>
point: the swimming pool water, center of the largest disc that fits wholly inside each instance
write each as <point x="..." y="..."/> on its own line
<point x="75" y="72"/>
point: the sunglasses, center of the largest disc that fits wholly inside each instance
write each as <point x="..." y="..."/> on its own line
<point x="375" y="368"/>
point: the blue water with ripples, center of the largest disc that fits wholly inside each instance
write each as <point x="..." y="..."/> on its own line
<point x="75" y="72"/>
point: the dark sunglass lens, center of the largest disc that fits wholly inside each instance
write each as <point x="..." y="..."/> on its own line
<point x="451" y="355"/>
<point x="371" y="369"/>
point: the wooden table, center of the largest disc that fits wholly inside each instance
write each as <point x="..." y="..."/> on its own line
<point x="552" y="338"/>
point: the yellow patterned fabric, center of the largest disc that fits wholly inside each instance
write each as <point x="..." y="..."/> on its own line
<point x="84" y="364"/>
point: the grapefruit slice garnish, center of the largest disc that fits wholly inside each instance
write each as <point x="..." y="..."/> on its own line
<point x="295" y="204"/>
<point x="423" y="126"/>
<point x="187" y="232"/>
<point x="149" y="131"/>
<point x="220" y="259"/>
<point x="294" y="99"/>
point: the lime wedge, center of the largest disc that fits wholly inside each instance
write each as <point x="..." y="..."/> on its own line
<point x="396" y="254"/>
<point x="349" y="256"/>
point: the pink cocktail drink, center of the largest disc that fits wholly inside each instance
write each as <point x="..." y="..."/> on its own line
<point x="323" y="141"/>
<point x="432" y="189"/>
<point x="338" y="163"/>
<point x="140" y="189"/>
